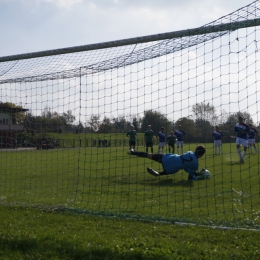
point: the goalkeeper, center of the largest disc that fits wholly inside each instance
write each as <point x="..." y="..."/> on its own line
<point x="172" y="163"/>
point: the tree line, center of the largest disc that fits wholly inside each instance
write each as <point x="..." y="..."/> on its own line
<point x="198" y="126"/>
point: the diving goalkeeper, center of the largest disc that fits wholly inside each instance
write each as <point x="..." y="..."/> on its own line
<point x="172" y="163"/>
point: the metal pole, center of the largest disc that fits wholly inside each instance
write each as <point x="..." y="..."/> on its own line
<point x="156" y="37"/>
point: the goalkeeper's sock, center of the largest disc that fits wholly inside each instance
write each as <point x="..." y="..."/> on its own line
<point x="250" y="148"/>
<point x="139" y="154"/>
<point x="163" y="173"/>
<point x="239" y="152"/>
<point x="256" y="150"/>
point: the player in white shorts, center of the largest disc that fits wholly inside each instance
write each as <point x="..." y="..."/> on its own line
<point x="251" y="138"/>
<point x="242" y="130"/>
<point x="179" y="135"/>
<point x="217" y="140"/>
<point x="161" y="136"/>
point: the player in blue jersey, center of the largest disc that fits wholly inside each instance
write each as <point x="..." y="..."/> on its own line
<point x="172" y="163"/>
<point x="179" y="135"/>
<point x="161" y="137"/>
<point x="217" y="140"/>
<point x="251" y="138"/>
<point x="242" y="130"/>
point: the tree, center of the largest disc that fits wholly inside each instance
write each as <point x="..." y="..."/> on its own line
<point x="120" y="123"/>
<point x="46" y="113"/>
<point x="205" y="112"/>
<point x="69" y="118"/>
<point x="94" y="122"/>
<point x="48" y="121"/>
<point x="106" y="126"/>
<point x="203" y="130"/>
<point x="156" y="120"/>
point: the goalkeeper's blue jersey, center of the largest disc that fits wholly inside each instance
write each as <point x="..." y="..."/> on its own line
<point x="188" y="162"/>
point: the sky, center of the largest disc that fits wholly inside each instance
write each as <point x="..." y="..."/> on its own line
<point x="38" y="25"/>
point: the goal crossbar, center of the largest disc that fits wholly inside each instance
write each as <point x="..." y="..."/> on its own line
<point x="228" y="27"/>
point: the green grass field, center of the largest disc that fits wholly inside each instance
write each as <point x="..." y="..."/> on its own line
<point x="40" y="189"/>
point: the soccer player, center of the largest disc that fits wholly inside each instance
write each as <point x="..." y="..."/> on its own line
<point x="172" y="163"/>
<point x="171" y="139"/>
<point x="217" y="140"/>
<point x="251" y="138"/>
<point x="148" y="135"/>
<point x="242" y="130"/>
<point x="131" y="134"/>
<point x="179" y="134"/>
<point x="161" y="137"/>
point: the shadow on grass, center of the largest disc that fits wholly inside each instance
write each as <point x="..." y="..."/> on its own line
<point x="233" y="163"/>
<point x="50" y="248"/>
<point x="170" y="182"/>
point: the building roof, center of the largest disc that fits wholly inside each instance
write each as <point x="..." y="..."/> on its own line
<point x="12" y="109"/>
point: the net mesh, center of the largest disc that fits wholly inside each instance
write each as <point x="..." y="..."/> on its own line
<point x="64" y="121"/>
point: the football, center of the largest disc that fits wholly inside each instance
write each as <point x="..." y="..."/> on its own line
<point x="206" y="174"/>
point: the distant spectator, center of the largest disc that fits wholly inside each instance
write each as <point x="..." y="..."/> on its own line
<point x="105" y="142"/>
<point x="15" y="143"/>
<point x="60" y="129"/>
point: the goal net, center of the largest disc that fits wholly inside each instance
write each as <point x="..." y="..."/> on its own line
<point x="65" y="117"/>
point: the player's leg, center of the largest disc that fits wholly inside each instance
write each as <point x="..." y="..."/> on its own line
<point x="250" y="145"/>
<point x="244" y="152"/>
<point x="220" y="148"/>
<point x="139" y="154"/>
<point x="182" y="149"/>
<point x="163" y="145"/>
<point x="158" y="158"/>
<point x="169" y="148"/>
<point x="155" y="173"/>
<point x="238" y="148"/>
<point x="215" y="147"/>
<point x="255" y="147"/>
<point x="177" y="144"/>
<point x="245" y="145"/>
<point x="173" y="148"/>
